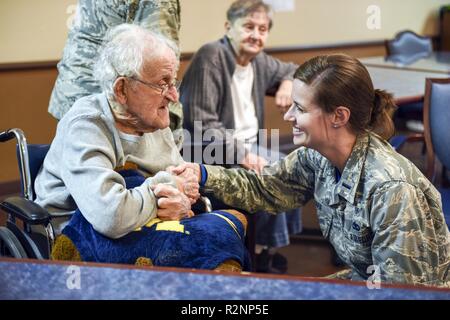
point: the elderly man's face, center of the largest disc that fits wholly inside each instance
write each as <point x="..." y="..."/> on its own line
<point x="146" y="101"/>
<point x="248" y="35"/>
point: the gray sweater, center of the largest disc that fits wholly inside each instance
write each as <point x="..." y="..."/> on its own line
<point x="78" y="170"/>
<point x="205" y="92"/>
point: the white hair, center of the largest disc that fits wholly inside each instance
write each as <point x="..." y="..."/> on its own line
<point x="125" y="49"/>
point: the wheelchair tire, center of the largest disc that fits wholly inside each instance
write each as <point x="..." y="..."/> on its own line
<point x="28" y="244"/>
<point x="9" y="245"/>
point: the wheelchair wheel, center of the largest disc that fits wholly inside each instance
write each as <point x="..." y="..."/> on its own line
<point x="9" y="245"/>
<point x="29" y="245"/>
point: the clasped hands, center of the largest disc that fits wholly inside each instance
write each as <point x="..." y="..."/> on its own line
<point x="175" y="203"/>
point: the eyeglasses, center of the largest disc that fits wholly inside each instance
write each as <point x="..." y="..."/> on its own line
<point x="164" y="88"/>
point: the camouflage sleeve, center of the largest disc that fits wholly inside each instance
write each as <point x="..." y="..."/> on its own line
<point x="161" y="16"/>
<point x="286" y="184"/>
<point x="405" y="244"/>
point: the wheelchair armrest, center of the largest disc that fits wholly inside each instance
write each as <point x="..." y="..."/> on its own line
<point x="207" y="203"/>
<point x="202" y="205"/>
<point x="25" y="210"/>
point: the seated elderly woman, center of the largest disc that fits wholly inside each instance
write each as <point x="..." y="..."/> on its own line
<point x="106" y="167"/>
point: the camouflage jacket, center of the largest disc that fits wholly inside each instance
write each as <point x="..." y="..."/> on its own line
<point x="91" y="22"/>
<point x="382" y="215"/>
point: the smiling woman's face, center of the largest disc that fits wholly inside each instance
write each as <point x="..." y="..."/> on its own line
<point x="310" y="123"/>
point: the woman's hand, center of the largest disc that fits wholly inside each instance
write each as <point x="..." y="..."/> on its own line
<point x="189" y="186"/>
<point x="186" y="168"/>
<point x="187" y="179"/>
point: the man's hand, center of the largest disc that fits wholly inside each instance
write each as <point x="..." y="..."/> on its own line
<point x="172" y="204"/>
<point x="187" y="180"/>
<point x="283" y="98"/>
<point x="188" y="185"/>
<point x="253" y="162"/>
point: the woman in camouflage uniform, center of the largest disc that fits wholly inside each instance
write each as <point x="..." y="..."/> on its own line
<point x="381" y="214"/>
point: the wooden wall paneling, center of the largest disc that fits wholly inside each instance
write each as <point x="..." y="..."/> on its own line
<point x="445" y="30"/>
<point x="24" y="100"/>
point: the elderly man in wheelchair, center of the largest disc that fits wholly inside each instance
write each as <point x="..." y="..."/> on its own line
<point x="106" y="180"/>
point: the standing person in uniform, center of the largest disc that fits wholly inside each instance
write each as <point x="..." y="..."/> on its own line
<point x="380" y="213"/>
<point x="224" y="88"/>
<point x="92" y="21"/>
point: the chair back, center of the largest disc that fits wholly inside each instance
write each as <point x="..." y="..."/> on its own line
<point x="408" y="45"/>
<point x="36" y="156"/>
<point x="436" y="115"/>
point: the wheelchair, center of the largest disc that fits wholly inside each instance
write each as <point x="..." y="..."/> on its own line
<point x="36" y="237"/>
<point x="26" y="242"/>
<point x="29" y="232"/>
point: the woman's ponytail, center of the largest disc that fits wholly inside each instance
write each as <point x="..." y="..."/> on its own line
<point x="382" y="111"/>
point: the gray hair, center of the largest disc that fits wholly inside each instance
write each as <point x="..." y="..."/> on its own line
<point x="125" y="49"/>
<point x="243" y="8"/>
